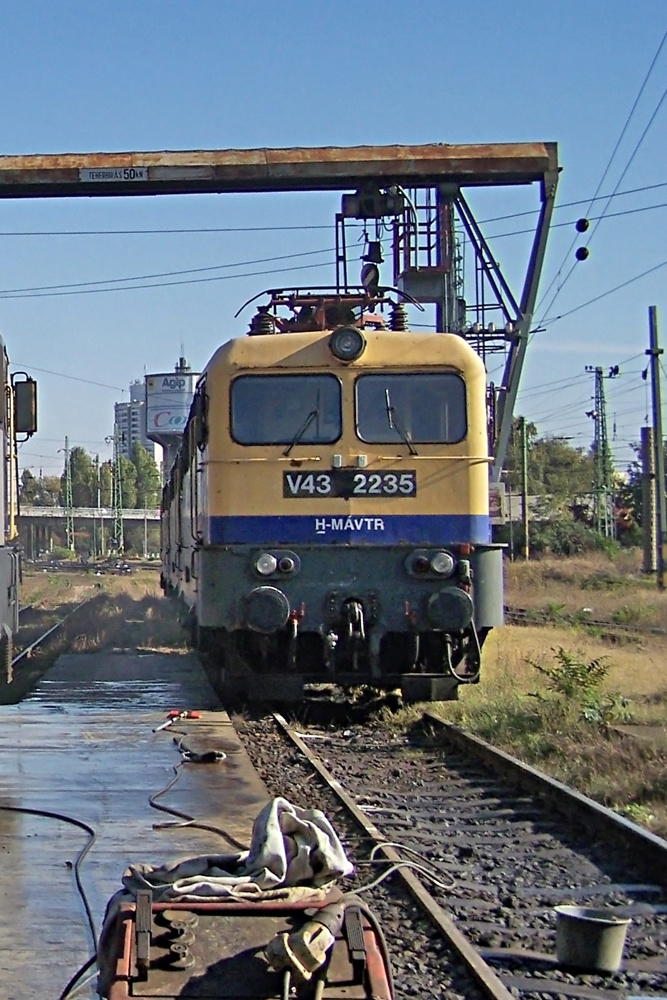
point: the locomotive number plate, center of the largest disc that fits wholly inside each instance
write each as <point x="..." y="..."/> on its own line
<point x="349" y="483"/>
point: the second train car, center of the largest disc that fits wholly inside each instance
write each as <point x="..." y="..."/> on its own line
<point x="327" y="518"/>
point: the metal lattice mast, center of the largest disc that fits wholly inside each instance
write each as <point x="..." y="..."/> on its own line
<point x="117" y="494"/>
<point x="69" y="504"/>
<point x="602" y="463"/>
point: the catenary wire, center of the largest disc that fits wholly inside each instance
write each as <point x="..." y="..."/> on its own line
<point x="605" y="172"/>
<point x="163" y="274"/>
<point x="563" y="383"/>
<point x="591" y="218"/>
<point x="564" y="204"/>
<point x="74" y="378"/>
<point x="79" y="287"/>
<point x="278" y="229"/>
<point x="162" y="284"/>
<point x="603" y="295"/>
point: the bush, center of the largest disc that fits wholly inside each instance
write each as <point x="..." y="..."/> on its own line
<point x="561" y="536"/>
<point x="62" y="552"/>
<point x="577" y="683"/>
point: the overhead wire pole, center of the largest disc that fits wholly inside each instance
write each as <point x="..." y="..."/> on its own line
<point x="69" y="506"/>
<point x="524" y="487"/>
<point x="519" y="337"/>
<point x="118" y="540"/>
<point x="602" y="463"/>
<point x="649" y="545"/>
<point x="654" y="353"/>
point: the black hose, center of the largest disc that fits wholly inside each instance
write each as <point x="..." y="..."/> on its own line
<point x="188" y="820"/>
<point x="92" y="836"/>
<point x="81" y="855"/>
<point x="77" y="975"/>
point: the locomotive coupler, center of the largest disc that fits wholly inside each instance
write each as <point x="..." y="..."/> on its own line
<point x="330" y="639"/>
<point x="353" y="616"/>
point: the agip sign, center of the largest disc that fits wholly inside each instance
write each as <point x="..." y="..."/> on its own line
<point x="168" y="400"/>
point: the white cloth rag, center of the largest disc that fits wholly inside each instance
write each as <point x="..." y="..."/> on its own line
<point x="289" y="847"/>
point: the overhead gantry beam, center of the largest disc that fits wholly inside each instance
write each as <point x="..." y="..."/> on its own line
<point x="328" y="168"/>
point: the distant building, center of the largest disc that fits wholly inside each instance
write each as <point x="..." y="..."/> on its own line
<point x="168" y="397"/>
<point x="130" y="419"/>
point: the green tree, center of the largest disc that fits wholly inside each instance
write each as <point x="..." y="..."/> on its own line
<point x="29" y="487"/>
<point x="148" y="477"/>
<point x="84" y="484"/>
<point x="105" y="484"/>
<point x="42" y="492"/>
<point x="49" y="491"/>
<point x="128" y="479"/>
<point x="555" y="468"/>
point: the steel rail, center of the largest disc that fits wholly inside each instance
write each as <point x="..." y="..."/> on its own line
<point x="478" y="968"/>
<point x="26" y="653"/>
<point x="648" y="850"/>
<point x="536" y="616"/>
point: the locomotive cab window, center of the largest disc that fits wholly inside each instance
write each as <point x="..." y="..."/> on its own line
<point x="286" y="409"/>
<point x="422" y="408"/>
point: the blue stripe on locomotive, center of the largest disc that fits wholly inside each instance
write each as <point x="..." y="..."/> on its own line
<point x="416" y="529"/>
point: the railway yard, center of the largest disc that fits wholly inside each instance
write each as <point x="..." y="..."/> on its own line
<point x="332" y="655"/>
<point x="492" y="846"/>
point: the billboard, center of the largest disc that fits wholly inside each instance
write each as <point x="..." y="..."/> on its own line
<point x="168" y="399"/>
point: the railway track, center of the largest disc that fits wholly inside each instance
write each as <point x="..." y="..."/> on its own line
<point x="37" y="629"/>
<point x="506" y="846"/>
<point x="537" y="616"/>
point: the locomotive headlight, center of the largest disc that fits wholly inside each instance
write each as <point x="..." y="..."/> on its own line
<point x="287" y="564"/>
<point x="266" y="564"/>
<point x="420" y="564"/>
<point x="443" y="563"/>
<point x="347" y="343"/>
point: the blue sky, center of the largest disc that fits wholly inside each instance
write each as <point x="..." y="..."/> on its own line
<point x="79" y="76"/>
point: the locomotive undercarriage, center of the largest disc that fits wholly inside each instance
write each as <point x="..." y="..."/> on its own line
<point x="426" y="666"/>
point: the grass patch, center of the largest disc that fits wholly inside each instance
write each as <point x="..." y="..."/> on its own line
<point x="593" y="586"/>
<point x="603" y="581"/>
<point x="634" y="614"/>
<point x="563" y="710"/>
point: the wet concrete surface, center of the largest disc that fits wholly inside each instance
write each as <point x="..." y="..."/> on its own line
<point x="82" y="745"/>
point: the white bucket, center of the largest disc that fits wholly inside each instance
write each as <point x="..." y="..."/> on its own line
<point x="589" y="938"/>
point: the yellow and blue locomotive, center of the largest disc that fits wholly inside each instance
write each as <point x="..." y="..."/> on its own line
<point x="327" y="519"/>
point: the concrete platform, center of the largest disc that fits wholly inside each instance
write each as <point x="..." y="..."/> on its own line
<point x="83" y="745"/>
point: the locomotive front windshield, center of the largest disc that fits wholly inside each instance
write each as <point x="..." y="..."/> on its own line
<point x="286" y="409"/>
<point x="420" y="408"/>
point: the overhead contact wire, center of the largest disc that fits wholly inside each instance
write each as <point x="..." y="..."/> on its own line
<point x="606" y="171"/>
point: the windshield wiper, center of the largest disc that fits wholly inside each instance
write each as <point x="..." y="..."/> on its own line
<point x="302" y="430"/>
<point x="396" y="424"/>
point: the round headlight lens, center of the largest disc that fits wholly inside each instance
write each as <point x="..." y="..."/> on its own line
<point x="287" y="565"/>
<point x="347" y="343"/>
<point x="443" y="563"/>
<point x="266" y="564"/>
<point x="420" y="564"/>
